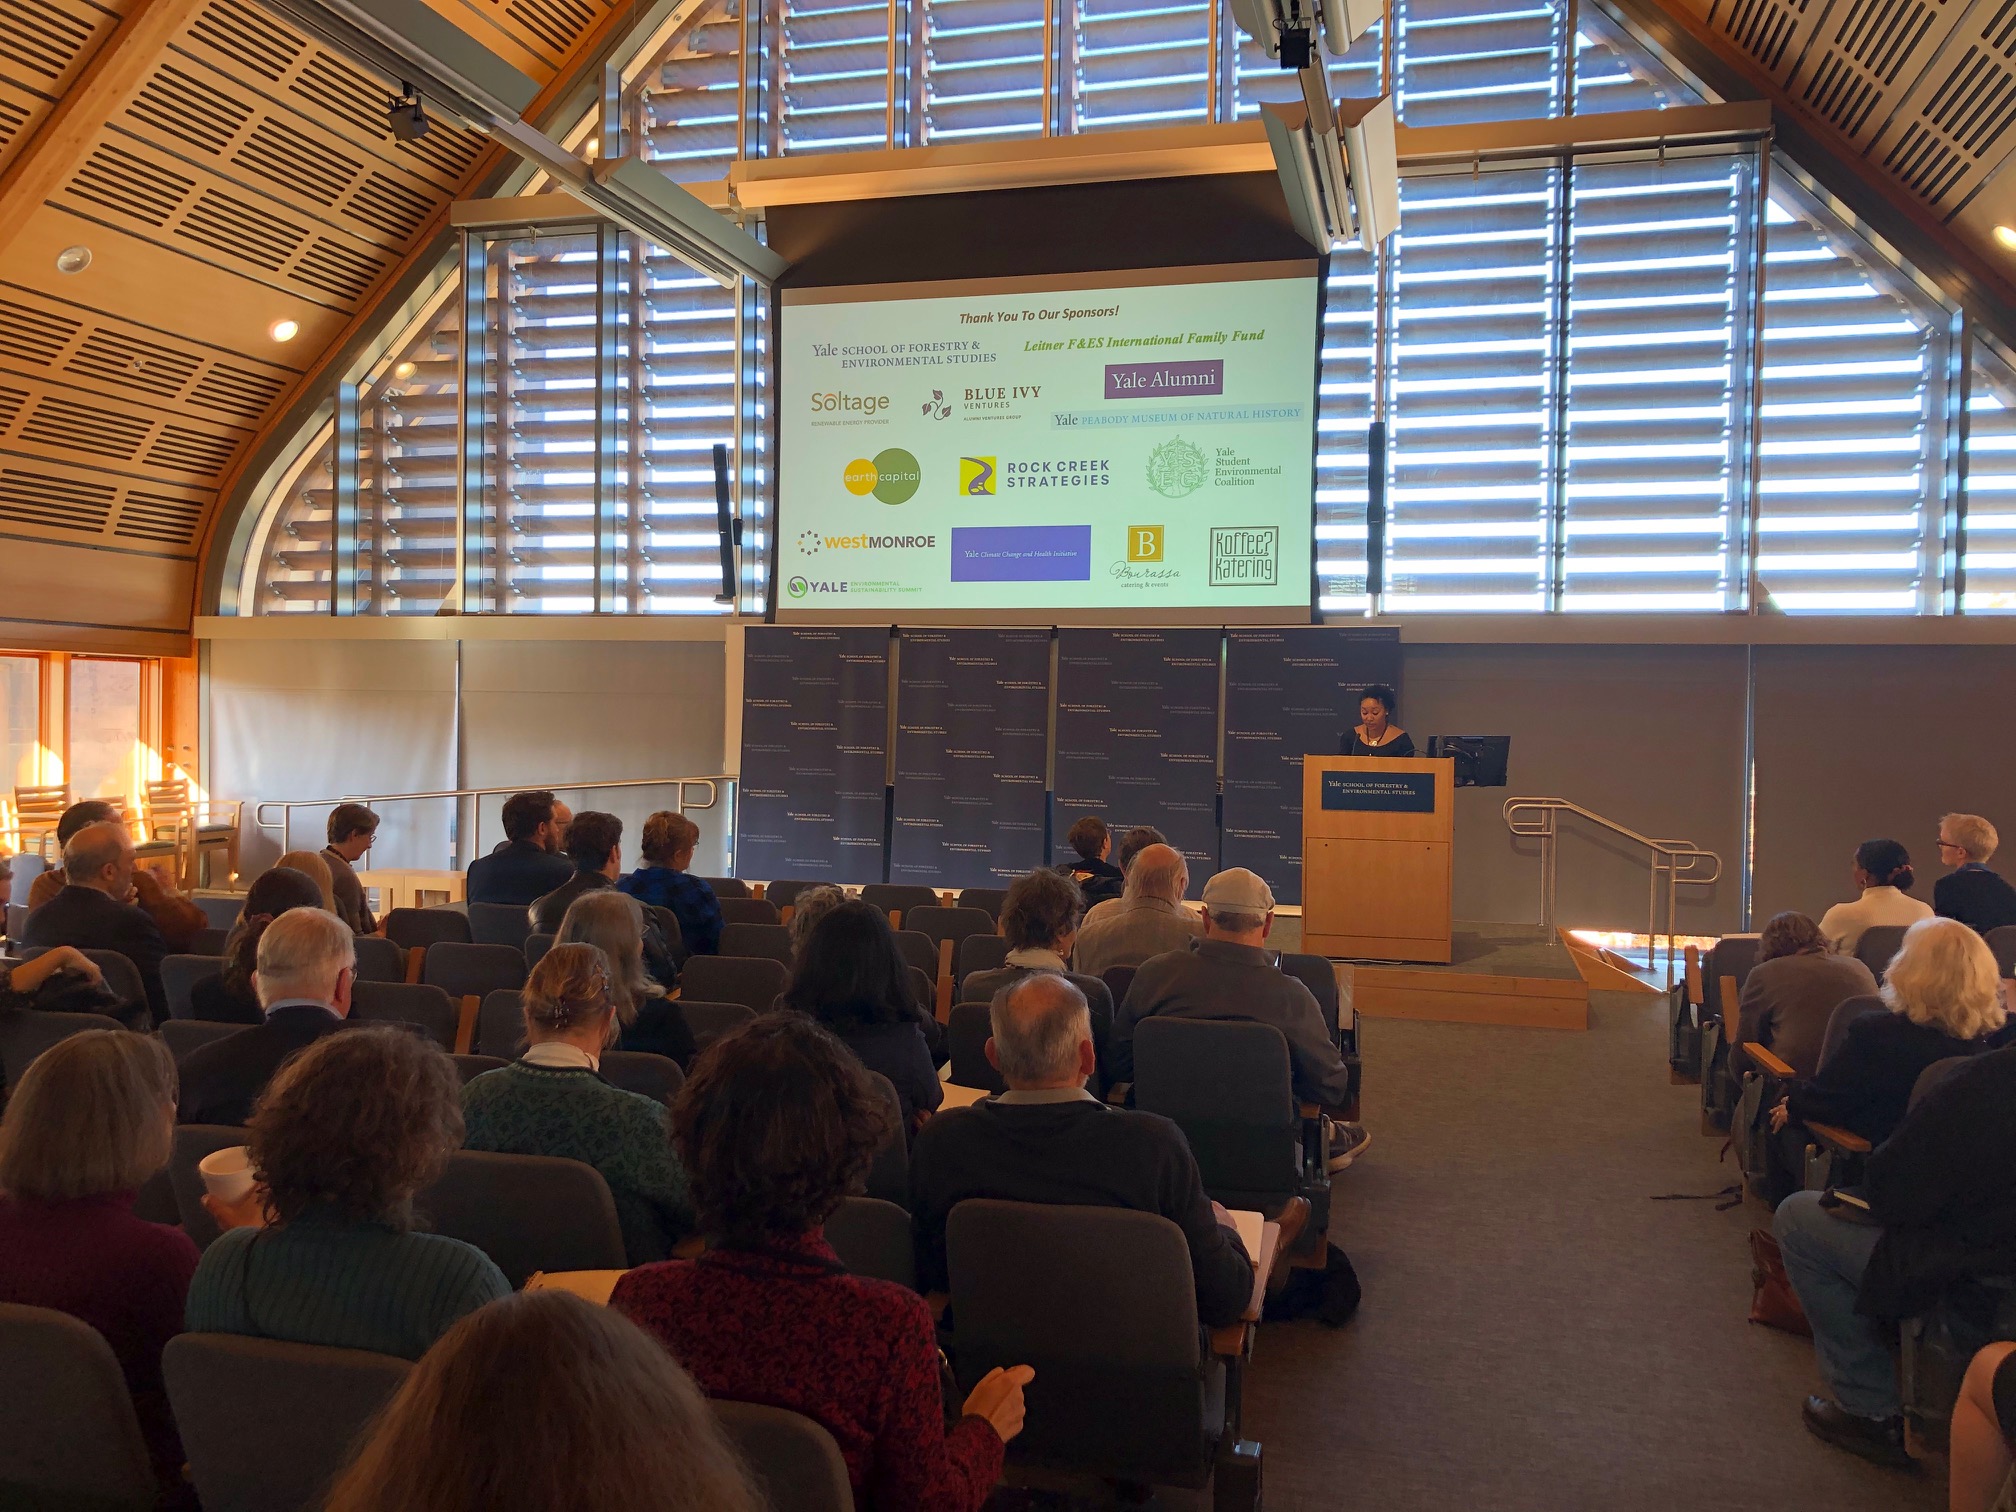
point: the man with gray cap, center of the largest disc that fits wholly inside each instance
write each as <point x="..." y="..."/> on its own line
<point x="1230" y="974"/>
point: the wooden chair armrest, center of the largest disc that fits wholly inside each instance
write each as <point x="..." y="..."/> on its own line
<point x="1838" y="1140"/>
<point x="1762" y="1055"/>
<point x="1119" y="1092"/>
<point x="1233" y="1341"/>
<point x="937" y="1302"/>
<point x="1308" y="1110"/>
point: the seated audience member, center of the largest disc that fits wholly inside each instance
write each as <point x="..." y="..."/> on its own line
<point x="646" y="1019"/>
<point x="1039" y="920"/>
<point x="552" y="1101"/>
<point x="1097" y="878"/>
<point x="1792" y="992"/>
<point x="1941" y="1193"/>
<point x="91" y="1121"/>
<point x="529" y="864"/>
<point x="352" y="828"/>
<point x="303" y="968"/>
<point x="95" y="909"/>
<point x="178" y="918"/>
<point x="777" y="1124"/>
<point x="312" y="866"/>
<point x="851" y="978"/>
<point x="1883" y="875"/>
<point x="595" y="850"/>
<point x="813" y="905"/>
<point x="1046" y="1139"/>
<point x="596" y="1418"/>
<point x="229" y="997"/>
<point x="1971" y="893"/>
<point x="1982" y="1431"/>
<point x="663" y="881"/>
<point x="1149" y="920"/>
<point x="21" y="982"/>
<point x="1229" y="974"/>
<point x="323" y="1249"/>
<point x="1944" y="1000"/>
<point x="1135" y="841"/>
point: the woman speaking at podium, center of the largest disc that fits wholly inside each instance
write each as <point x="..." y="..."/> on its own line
<point x="1375" y="733"/>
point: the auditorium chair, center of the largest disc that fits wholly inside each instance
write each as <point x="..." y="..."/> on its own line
<point x="1729" y="962"/>
<point x="889" y="1175"/>
<point x="500" y="1023"/>
<point x="1878" y="946"/>
<point x="874" y="1238"/>
<point x="469" y="1067"/>
<point x="23" y="1036"/>
<point x="919" y="950"/>
<point x="17" y="913"/>
<point x="122" y="979"/>
<point x="193" y="1142"/>
<point x="946" y="927"/>
<point x="1118" y="979"/>
<point x="424" y="1007"/>
<point x="2002" y="943"/>
<point x="379" y="960"/>
<point x="211" y="826"/>
<point x="794" y="1459"/>
<point x="221" y="909"/>
<point x="1833" y="1157"/>
<point x="752" y="982"/>
<point x="897" y="899"/>
<point x="783" y="895"/>
<point x="728" y="887"/>
<point x="179" y="976"/>
<point x="1101" y="1303"/>
<point x="980" y="952"/>
<point x="467" y="972"/>
<point x="763" y="942"/>
<point x="748" y="911"/>
<point x="657" y="1077"/>
<point x="1687" y="1009"/>
<point x="989" y="900"/>
<point x="499" y="924"/>
<point x="184" y="1037"/>
<point x="536" y="946"/>
<point x="414" y="929"/>
<point x="269" y="1424"/>
<point x="966" y="1034"/>
<point x="210" y="941"/>
<point x="709" y="1021"/>
<point x="526" y="1212"/>
<point x="69" y="1437"/>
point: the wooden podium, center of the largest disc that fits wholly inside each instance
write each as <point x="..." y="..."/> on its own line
<point x="1377" y="857"/>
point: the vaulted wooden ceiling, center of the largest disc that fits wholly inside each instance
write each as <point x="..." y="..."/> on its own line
<point x="224" y="174"/>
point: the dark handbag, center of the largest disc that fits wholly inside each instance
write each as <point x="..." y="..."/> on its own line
<point x="1773" y="1302"/>
<point x="70" y="991"/>
<point x="1683" y="1051"/>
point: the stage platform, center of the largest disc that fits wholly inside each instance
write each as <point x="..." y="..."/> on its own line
<point x="1516" y="974"/>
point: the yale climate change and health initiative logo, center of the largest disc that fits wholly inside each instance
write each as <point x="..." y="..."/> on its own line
<point x="891" y="476"/>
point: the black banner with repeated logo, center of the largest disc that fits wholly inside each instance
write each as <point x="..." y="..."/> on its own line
<point x="815" y="733"/>
<point x="1137" y="735"/>
<point x="1289" y="693"/>
<point x="972" y="724"/>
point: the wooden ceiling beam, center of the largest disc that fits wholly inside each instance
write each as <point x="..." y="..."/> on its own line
<point x="114" y="74"/>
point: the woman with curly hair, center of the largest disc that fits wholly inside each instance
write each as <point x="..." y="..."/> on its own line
<point x="597" y="1418"/>
<point x="779" y="1122"/>
<point x="323" y="1250"/>
<point x="228" y="997"/>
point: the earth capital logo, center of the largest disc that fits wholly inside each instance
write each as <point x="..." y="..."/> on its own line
<point x="891" y="476"/>
<point x="1176" y="469"/>
<point x="797" y="587"/>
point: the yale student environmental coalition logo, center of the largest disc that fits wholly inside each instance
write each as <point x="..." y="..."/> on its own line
<point x="891" y="476"/>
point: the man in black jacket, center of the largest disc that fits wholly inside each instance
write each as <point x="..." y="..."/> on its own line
<point x="595" y="849"/>
<point x="303" y="972"/>
<point x="95" y="909"/>
<point x="1971" y="893"/>
<point x="529" y="864"/>
<point x="1941" y="1196"/>
<point x="1047" y="1139"/>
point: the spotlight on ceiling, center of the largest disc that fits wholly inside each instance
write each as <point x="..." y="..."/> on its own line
<point x="405" y="370"/>
<point x="405" y="116"/>
<point x="284" y="330"/>
<point x="73" y="259"/>
<point x="2003" y="234"/>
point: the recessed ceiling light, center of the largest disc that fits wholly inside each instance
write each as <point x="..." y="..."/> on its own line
<point x="284" y="330"/>
<point x="404" y="370"/>
<point x="73" y="259"/>
<point x="2006" y="235"/>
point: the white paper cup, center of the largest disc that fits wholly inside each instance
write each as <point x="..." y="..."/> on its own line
<point x="227" y="1173"/>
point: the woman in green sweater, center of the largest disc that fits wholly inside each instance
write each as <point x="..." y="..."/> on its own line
<point x="323" y="1250"/>
<point x="553" y="1101"/>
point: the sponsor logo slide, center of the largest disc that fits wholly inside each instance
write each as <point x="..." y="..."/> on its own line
<point x="976" y="475"/>
<point x="1144" y="543"/>
<point x="1022" y="554"/>
<point x="1245" y="556"/>
<point x="1177" y="469"/>
<point x="891" y="476"/>
<point x="1158" y="380"/>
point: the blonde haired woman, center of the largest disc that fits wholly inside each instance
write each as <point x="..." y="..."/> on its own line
<point x="317" y="870"/>
<point x="92" y="1119"/>
<point x="613" y="923"/>
<point x="1944" y="999"/>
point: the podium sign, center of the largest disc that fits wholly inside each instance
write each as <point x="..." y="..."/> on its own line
<point x="1377" y="857"/>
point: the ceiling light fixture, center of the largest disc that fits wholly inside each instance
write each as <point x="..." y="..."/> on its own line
<point x="2006" y="235"/>
<point x="284" y="330"/>
<point x="73" y="259"/>
<point x="404" y="370"/>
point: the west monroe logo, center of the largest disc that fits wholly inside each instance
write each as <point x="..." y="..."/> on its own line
<point x="976" y="475"/>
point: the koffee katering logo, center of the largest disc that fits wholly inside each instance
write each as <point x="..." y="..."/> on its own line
<point x="976" y="475"/>
<point x="891" y="476"/>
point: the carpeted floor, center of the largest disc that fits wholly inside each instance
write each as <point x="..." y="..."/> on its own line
<point x="1536" y="1333"/>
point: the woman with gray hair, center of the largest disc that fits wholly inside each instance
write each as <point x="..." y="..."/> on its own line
<point x="613" y="923"/>
<point x="1945" y="1000"/>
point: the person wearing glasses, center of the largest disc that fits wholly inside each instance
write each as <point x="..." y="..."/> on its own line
<point x="1971" y="893"/>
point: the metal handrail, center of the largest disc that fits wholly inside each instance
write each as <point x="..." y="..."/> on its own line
<point x="286" y="806"/>
<point x="1674" y="864"/>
